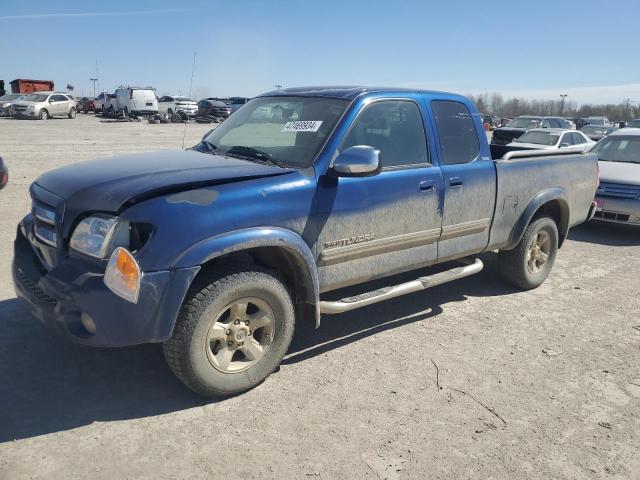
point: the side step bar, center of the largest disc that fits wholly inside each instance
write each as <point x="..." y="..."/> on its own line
<point x="422" y="283"/>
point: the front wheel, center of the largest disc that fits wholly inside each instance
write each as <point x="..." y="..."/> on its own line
<point x="231" y="333"/>
<point x="528" y="265"/>
<point x="72" y="113"/>
<point x="43" y="115"/>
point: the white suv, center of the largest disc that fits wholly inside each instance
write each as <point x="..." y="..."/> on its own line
<point x="135" y="101"/>
<point x="44" y="105"/>
<point x="170" y="104"/>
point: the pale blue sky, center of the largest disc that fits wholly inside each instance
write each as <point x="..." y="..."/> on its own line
<point x="586" y="48"/>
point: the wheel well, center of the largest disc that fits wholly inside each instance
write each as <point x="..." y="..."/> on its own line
<point x="284" y="264"/>
<point x="559" y="213"/>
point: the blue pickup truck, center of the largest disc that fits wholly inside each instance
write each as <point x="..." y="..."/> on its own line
<point x="217" y="251"/>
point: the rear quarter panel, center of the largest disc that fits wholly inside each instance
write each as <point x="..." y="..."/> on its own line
<point x="571" y="178"/>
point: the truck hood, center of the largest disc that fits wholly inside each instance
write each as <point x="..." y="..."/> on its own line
<point x="109" y="184"/>
<point x="619" y="172"/>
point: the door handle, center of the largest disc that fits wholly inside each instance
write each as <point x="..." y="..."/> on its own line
<point x="426" y="186"/>
<point x="456" y="182"/>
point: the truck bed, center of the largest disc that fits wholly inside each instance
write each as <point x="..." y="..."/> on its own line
<point x="523" y="176"/>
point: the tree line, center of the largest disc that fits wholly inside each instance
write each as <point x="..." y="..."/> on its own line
<point x="495" y="104"/>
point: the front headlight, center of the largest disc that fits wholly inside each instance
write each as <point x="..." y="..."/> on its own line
<point x="99" y="236"/>
<point x="30" y="109"/>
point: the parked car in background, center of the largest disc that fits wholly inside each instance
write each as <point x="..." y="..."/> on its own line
<point x="519" y="126"/>
<point x="101" y="103"/>
<point x="134" y="101"/>
<point x="86" y="105"/>
<point x="600" y="121"/>
<point x="4" y="174"/>
<point x="596" y="132"/>
<point x="618" y="195"/>
<point x="213" y="109"/>
<point x="635" y="123"/>
<point x="237" y="102"/>
<point x="170" y="104"/>
<point x="6" y="101"/>
<point x="44" y="105"/>
<point x="550" y="138"/>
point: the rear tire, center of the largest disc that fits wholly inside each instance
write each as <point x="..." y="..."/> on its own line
<point x="215" y="350"/>
<point x="43" y="115"/>
<point x="528" y="265"/>
<point x="72" y="113"/>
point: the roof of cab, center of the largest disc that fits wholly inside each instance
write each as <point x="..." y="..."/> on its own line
<point x="344" y="92"/>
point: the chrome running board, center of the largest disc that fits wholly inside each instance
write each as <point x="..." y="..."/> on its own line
<point x="422" y="283"/>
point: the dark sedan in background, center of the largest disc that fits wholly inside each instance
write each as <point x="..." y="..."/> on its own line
<point x="519" y="126"/>
<point x="596" y="132"/>
<point x="209" y="108"/>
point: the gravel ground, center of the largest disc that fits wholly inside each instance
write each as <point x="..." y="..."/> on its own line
<point x="470" y="380"/>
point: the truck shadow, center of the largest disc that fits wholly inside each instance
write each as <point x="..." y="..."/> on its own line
<point x="50" y="384"/>
<point x="342" y="329"/>
<point x="609" y="234"/>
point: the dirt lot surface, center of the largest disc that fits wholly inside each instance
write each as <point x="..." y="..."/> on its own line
<point x="543" y="384"/>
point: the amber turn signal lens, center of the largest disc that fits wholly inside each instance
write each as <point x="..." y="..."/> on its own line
<point x="123" y="275"/>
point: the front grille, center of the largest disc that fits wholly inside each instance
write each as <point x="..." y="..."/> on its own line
<point x="620" y="190"/>
<point x="35" y="290"/>
<point x="44" y="222"/>
<point x="19" y="108"/>
<point x="616" y="217"/>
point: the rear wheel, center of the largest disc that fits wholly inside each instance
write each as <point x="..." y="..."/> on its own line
<point x="43" y="115"/>
<point x="528" y="265"/>
<point x="231" y="333"/>
<point x="72" y="113"/>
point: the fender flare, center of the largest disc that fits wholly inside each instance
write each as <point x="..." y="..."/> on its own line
<point x="249" y="238"/>
<point x="558" y="195"/>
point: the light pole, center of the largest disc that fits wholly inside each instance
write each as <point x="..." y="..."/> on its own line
<point x="563" y="96"/>
<point x="94" y="80"/>
<point x="278" y="87"/>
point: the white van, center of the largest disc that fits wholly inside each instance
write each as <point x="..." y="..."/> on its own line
<point x="136" y="101"/>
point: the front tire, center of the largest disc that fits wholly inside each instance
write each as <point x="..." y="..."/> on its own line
<point x="232" y="332"/>
<point x="528" y="265"/>
<point x="72" y="113"/>
<point x="43" y="115"/>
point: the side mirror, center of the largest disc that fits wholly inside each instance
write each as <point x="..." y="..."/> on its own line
<point x="357" y="161"/>
<point x="564" y="145"/>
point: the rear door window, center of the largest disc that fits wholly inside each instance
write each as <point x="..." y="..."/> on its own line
<point x="578" y="139"/>
<point x="456" y="131"/>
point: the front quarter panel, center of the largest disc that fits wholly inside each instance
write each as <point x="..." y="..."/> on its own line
<point x="184" y="220"/>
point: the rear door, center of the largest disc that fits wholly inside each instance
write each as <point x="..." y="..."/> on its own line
<point x="469" y="181"/>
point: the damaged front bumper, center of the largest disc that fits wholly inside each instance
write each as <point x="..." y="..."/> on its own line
<point x="73" y="288"/>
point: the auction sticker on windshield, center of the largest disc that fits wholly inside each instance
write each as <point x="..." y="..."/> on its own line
<point x="302" y="126"/>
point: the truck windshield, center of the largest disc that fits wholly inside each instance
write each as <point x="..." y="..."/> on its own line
<point x="288" y="131"/>
<point x="624" y="149"/>
<point x="524" y="122"/>
<point x="539" y="138"/>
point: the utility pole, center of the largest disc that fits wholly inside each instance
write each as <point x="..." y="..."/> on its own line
<point x="563" y="96"/>
<point x="94" y="80"/>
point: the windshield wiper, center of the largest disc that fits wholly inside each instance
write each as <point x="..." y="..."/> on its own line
<point x="210" y="145"/>
<point x="251" y="153"/>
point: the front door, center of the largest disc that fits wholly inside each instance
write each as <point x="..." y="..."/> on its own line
<point x="387" y="223"/>
<point x="469" y="182"/>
